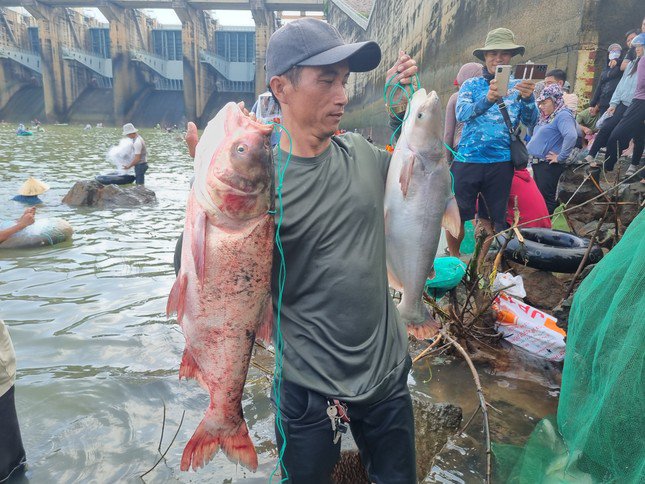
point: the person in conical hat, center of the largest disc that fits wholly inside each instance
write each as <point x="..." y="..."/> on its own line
<point x="30" y="190"/>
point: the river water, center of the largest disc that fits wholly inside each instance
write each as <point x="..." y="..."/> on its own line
<point x="97" y="357"/>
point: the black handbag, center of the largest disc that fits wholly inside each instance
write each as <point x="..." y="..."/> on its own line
<point x="519" y="153"/>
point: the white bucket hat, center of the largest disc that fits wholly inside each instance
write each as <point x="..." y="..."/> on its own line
<point x="129" y="129"/>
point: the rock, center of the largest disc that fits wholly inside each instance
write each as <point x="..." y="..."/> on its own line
<point x="561" y="313"/>
<point x="90" y="193"/>
<point x="571" y="182"/>
<point x="605" y="237"/>
<point x="349" y="469"/>
<point x="543" y="290"/>
<point x="434" y="424"/>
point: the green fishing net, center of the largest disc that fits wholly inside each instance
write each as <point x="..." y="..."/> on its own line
<point x="599" y="433"/>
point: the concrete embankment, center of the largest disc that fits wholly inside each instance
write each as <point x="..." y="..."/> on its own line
<point x="441" y="36"/>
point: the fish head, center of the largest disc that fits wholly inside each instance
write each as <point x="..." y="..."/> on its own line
<point x="234" y="169"/>
<point x="423" y="128"/>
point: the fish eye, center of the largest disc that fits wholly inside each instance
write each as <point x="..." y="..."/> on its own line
<point x="241" y="149"/>
<point x="420" y="115"/>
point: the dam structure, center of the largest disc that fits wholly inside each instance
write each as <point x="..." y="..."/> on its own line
<point x="71" y="68"/>
<point x="59" y="65"/>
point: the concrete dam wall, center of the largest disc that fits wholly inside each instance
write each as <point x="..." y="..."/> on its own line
<point x="441" y="35"/>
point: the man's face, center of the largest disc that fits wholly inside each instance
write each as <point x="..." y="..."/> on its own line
<point x="317" y="101"/>
<point x="548" y="80"/>
<point x="132" y="135"/>
<point x="630" y="37"/>
<point x="494" y="58"/>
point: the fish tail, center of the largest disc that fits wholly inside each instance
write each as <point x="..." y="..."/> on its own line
<point x="203" y="445"/>
<point x="417" y="319"/>
<point x="239" y="448"/>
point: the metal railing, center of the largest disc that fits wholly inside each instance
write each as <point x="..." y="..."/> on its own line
<point x="170" y="69"/>
<point x="233" y="71"/>
<point x="25" y="57"/>
<point x="100" y="65"/>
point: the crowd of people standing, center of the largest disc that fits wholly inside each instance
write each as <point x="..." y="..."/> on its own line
<point x="487" y="185"/>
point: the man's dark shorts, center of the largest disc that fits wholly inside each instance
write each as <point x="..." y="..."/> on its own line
<point x="483" y="189"/>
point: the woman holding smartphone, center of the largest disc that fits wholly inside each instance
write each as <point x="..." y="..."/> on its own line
<point x="553" y="139"/>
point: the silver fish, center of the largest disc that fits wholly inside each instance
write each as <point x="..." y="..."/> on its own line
<point x="418" y="201"/>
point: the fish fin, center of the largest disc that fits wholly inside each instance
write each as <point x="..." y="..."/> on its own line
<point x="451" y="220"/>
<point x="203" y="445"/>
<point x="190" y="369"/>
<point x="406" y="173"/>
<point x="198" y="244"/>
<point x="265" y="331"/>
<point x="177" y="297"/>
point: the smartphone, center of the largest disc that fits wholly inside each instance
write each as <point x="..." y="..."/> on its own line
<point x="535" y="72"/>
<point x="502" y="76"/>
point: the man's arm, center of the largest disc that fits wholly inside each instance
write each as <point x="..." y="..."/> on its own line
<point x="25" y="220"/>
<point x="135" y="161"/>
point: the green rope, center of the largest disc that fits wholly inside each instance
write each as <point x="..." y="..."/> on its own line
<point x="388" y="99"/>
<point x="279" y="341"/>
<point x="388" y="102"/>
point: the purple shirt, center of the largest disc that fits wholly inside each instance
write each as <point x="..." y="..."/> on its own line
<point x="640" y="83"/>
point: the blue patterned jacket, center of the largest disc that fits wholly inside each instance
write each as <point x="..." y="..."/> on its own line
<point x="485" y="138"/>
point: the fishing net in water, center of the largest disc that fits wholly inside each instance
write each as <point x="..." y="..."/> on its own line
<point x="601" y="413"/>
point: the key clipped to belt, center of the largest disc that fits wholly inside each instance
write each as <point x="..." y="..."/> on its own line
<point x="337" y="413"/>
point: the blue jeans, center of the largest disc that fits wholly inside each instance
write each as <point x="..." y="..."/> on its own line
<point x="383" y="431"/>
<point x="139" y="172"/>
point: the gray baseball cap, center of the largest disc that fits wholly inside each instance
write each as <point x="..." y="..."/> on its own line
<point x="312" y="42"/>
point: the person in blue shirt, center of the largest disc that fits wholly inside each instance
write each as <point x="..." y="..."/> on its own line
<point x="553" y="139"/>
<point x="483" y="171"/>
<point x="29" y="191"/>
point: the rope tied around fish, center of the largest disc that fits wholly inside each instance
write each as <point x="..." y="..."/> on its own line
<point x="391" y="103"/>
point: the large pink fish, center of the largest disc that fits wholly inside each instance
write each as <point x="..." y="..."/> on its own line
<point x="222" y="295"/>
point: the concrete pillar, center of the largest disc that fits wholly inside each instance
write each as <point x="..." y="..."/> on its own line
<point x="196" y="29"/>
<point x="57" y="75"/>
<point x="265" y="25"/>
<point x="127" y="81"/>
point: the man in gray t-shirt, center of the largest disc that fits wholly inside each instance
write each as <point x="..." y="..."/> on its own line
<point x="344" y="348"/>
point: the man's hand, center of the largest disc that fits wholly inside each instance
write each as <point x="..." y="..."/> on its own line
<point x="402" y="73"/>
<point x="245" y="111"/>
<point x="191" y="138"/>
<point x="552" y="157"/>
<point x="28" y="217"/>
<point x="585" y="130"/>
<point x="612" y="63"/>
<point x="610" y="110"/>
<point x="493" y="94"/>
<point x="526" y="88"/>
